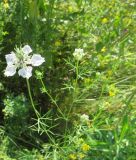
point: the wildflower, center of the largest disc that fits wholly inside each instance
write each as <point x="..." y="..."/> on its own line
<point x="65" y="22"/>
<point x="22" y="60"/>
<point x="70" y="8"/>
<point x="58" y="43"/>
<point x="72" y="156"/>
<point x="84" y="118"/>
<point x="85" y="147"/>
<point x="6" y="5"/>
<point x="111" y="93"/>
<point x="104" y="20"/>
<point x="43" y="19"/>
<point x="78" y="54"/>
<point x="103" y="49"/>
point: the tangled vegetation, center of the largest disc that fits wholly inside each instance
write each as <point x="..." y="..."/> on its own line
<point x="79" y="102"/>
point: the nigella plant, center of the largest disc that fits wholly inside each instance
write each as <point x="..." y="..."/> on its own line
<point x="23" y="61"/>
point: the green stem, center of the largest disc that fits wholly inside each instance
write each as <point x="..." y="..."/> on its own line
<point x="77" y="72"/>
<point x="31" y="99"/>
<point x="53" y="101"/>
<point x="75" y="87"/>
<point x="49" y="95"/>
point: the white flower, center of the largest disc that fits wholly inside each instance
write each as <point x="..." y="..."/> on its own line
<point x="25" y="72"/>
<point x="37" y="60"/>
<point x="43" y="20"/>
<point x="27" y="49"/>
<point x="10" y="70"/>
<point x="11" y="58"/>
<point x="22" y="60"/>
<point x="78" y="54"/>
<point x="84" y="118"/>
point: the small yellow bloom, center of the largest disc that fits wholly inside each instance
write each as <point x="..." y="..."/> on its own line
<point x="111" y="93"/>
<point x="72" y="156"/>
<point x="104" y="20"/>
<point x="85" y="147"/>
<point x="103" y="49"/>
<point x="6" y="5"/>
<point x="58" y="43"/>
<point x="81" y="155"/>
<point x="70" y="8"/>
<point x="113" y="90"/>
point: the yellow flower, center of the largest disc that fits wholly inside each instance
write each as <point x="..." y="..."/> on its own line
<point x="81" y="155"/>
<point x="70" y="8"/>
<point x="57" y="43"/>
<point x="72" y="156"/>
<point x="103" y="49"/>
<point x="6" y="5"/>
<point x="104" y="20"/>
<point x="85" y="147"/>
<point x="111" y="93"/>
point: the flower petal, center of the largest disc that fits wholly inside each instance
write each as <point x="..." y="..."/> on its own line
<point x="37" y="60"/>
<point x="27" y="49"/>
<point x="25" y="72"/>
<point x="78" y="54"/>
<point x="10" y="70"/>
<point x="11" y="58"/>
